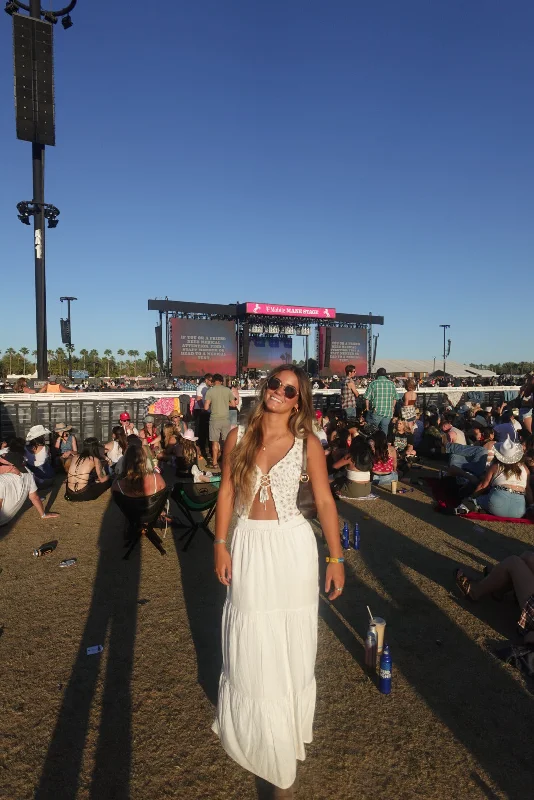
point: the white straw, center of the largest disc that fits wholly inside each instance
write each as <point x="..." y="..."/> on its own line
<point x="370" y="615"/>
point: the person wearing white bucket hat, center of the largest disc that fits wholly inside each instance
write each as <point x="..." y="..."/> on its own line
<point x="507" y="481"/>
<point x="37" y="455"/>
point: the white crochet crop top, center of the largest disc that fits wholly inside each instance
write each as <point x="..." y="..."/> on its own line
<point x="282" y="481"/>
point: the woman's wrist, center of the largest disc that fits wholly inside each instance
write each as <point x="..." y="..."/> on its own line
<point x="219" y="541"/>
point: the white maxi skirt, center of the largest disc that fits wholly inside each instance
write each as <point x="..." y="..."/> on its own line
<point x="269" y="640"/>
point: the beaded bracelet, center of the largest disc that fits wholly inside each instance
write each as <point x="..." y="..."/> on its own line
<point x="334" y="560"/>
<point x="219" y="541"/>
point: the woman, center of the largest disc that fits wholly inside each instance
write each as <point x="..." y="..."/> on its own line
<point x="21" y="387"/>
<point x="86" y="479"/>
<point x="506" y="483"/>
<point x="408" y="401"/>
<point x="126" y="422"/>
<point x="234" y="412"/>
<point x="267" y="689"/>
<point x="137" y="479"/>
<point x="177" y="421"/>
<point x="384" y="460"/>
<point x="149" y="434"/>
<point x="37" y="455"/>
<point x="526" y="400"/>
<point x="65" y="445"/>
<point x="116" y="449"/>
<point x="357" y="480"/>
<point x="185" y="452"/>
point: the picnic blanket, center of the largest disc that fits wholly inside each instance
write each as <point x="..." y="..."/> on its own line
<point x="447" y="494"/>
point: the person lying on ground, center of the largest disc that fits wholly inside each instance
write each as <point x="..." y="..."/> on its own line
<point x="505" y="489"/>
<point x="86" y="479"/>
<point x="514" y="573"/>
<point x="17" y="485"/>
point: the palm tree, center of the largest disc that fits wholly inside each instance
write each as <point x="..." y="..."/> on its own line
<point x="61" y="356"/>
<point x="11" y="352"/>
<point x="132" y="353"/>
<point x="93" y="356"/>
<point x="51" y="355"/>
<point x="150" y="356"/>
<point x="84" y="353"/>
<point x="24" y="352"/>
<point x="34" y="354"/>
<point x="121" y="354"/>
<point x="108" y="353"/>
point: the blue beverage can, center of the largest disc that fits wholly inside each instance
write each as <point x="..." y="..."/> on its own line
<point x="356" y="537"/>
<point x="345" y="537"/>
<point x="384" y="683"/>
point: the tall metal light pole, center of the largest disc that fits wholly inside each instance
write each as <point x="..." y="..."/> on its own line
<point x="67" y="338"/>
<point x="445" y="353"/>
<point x="34" y="104"/>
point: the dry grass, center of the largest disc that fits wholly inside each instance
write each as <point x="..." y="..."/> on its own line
<point x="134" y="722"/>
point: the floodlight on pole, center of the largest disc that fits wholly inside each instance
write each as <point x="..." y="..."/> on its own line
<point x="445" y="351"/>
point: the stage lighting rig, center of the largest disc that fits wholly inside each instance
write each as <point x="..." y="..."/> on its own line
<point x="11" y="8"/>
<point x="67" y="22"/>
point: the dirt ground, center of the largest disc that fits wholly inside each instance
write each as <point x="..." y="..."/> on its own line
<point x="133" y="723"/>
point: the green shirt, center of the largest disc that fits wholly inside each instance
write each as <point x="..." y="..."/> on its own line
<point x="220" y="398"/>
<point x="382" y="395"/>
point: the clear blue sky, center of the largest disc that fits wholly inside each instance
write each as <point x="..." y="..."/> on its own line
<point x="371" y="156"/>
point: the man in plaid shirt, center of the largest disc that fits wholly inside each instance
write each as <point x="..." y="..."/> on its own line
<point x="380" y="398"/>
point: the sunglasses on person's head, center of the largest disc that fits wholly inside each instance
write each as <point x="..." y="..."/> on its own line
<point x="274" y="383"/>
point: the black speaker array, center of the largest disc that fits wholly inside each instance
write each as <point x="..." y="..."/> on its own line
<point x="246" y="342"/>
<point x="159" y="345"/>
<point x="327" y="347"/>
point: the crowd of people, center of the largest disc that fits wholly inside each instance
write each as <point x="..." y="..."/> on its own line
<point x="373" y="439"/>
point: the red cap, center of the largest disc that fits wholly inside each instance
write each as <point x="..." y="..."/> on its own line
<point x="124" y="416"/>
<point x="318" y="414"/>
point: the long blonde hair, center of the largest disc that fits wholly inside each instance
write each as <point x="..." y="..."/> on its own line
<point x="243" y="456"/>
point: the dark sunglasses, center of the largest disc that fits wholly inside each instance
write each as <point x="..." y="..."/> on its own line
<point x="274" y="383"/>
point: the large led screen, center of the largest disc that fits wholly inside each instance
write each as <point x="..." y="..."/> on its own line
<point x="267" y="352"/>
<point x="203" y="345"/>
<point x="347" y="346"/>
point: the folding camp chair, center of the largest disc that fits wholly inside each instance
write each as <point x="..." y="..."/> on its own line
<point x="142" y="514"/>
<point x="191" y="497"/>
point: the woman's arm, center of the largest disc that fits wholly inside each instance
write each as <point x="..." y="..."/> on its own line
<point x="327" y="512"/>
<point x="486" y="480"/>
<point x="74" y="445"/>
<point x="223" y="514"/>
<point x="393" y="456"/>
<point x="100" y="471"/>
<point x="342" y="462"/>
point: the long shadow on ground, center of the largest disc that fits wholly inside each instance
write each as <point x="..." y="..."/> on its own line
<point x="112" y="619"/>
<point x="481" y="704"/>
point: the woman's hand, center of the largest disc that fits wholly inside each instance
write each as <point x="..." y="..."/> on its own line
<point x="335" y="580"/>
<point x="223" y="564"/>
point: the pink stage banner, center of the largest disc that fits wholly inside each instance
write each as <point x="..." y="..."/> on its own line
<point x="290" y="311"/>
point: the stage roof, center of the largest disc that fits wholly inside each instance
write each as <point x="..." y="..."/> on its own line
<point x="407" y="365"/>
<point x="233" y="310"/>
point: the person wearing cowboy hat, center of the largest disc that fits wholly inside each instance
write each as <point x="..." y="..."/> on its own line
<point x="65" y="445"/>
<point x="37" y="454"/>
<point x="505" y="489"/>
<point x="17" y="484"/>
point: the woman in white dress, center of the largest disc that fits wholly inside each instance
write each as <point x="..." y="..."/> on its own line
<point x="267" y="687"/>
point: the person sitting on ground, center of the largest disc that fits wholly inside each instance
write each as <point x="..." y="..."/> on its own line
<point x="514" y="573"/>
<point x="408" y="401"/>
<point x="116" y="449"/>
<point x="384" y="459"/>
<point x="451" y="434"/>
<point x="505" y="489"/>
<point x="177" y="421"/>
<point x="358" y="462"/>
<point x="65" y="445"/>
<point x="38" y="459"/>
<point x="53" y="386"/>
<point x="149" y="434"/>
<point x="402" y="441"/>
<point x="505" y="428"/>
<point x="86" y="479"/>
<point x="21" y="387"/>
<point x="126" y="422"/>
<point x="137" y="479"/>
<point x="17" y="484"/>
